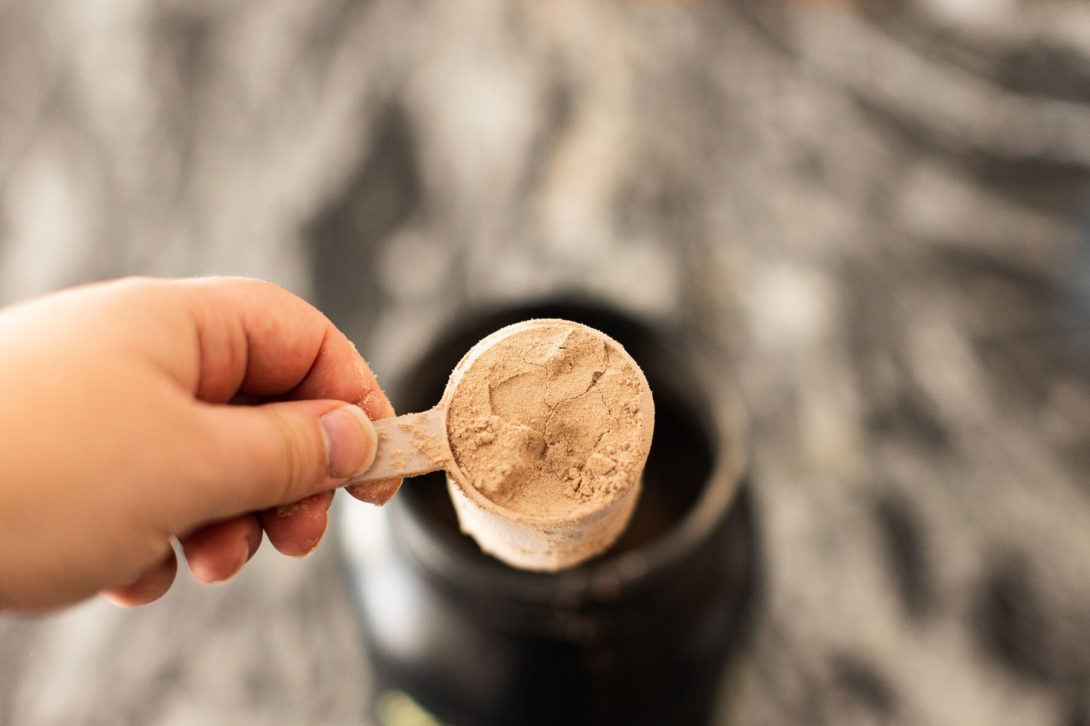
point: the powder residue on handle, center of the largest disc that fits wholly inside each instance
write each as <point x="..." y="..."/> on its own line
<point x="547" y="423"/>
<point x="425" y="443"/>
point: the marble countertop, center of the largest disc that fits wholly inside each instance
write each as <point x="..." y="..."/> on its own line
<point x="876" y="218"/>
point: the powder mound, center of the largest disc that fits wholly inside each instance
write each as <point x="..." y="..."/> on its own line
<point x="547" y="422"/>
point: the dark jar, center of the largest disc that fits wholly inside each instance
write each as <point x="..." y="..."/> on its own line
<point x="640" y="635"/>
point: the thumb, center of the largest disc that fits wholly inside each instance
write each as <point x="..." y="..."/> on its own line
<point x="279" y="453"/>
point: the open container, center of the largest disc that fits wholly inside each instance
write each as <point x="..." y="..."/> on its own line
<point x="639" y="635"/>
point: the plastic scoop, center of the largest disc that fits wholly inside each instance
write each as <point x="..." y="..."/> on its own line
<point x="604" y="484"/>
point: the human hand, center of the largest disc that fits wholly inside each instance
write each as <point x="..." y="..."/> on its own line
<point x="136" y="411"/>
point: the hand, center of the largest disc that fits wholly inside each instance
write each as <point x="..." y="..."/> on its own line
<point x="137" y="411"/>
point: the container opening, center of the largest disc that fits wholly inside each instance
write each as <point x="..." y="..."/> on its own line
<point x="681" y="458"/>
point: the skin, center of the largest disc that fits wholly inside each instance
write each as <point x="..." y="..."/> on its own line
<point x="140" y="412"/>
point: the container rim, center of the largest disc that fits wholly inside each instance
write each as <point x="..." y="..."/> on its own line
<point x="715" y="407"/>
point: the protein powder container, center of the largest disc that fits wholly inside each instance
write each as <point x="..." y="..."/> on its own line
<point x="642" y="634"/>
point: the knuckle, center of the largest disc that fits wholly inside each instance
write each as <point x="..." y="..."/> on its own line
<point x="296" y="467"/>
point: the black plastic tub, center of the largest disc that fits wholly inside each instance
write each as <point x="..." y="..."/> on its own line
<point x="639" y="635"/>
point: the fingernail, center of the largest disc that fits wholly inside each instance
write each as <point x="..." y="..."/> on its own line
<point x="350" y="441"/>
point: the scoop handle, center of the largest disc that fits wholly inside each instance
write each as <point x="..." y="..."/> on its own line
<point x="408" y="445"/>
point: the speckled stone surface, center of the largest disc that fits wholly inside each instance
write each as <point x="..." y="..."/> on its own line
<point x="876" y="218"/>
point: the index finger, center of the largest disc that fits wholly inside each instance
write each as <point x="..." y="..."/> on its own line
<point x="259" y="339"/>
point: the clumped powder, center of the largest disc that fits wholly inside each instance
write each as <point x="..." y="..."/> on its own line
<point x="547" y="423"/>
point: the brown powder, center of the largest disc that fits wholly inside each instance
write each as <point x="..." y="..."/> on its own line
<point x="424" y="443"/>
<point x="547" y="422"/>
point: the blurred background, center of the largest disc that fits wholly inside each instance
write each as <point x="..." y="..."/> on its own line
<point x="875" y="215"/>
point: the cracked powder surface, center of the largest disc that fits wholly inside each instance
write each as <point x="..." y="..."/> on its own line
<point x="547" y="422"/>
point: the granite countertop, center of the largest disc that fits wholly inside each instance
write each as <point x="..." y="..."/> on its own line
<point x="876" y="218"/>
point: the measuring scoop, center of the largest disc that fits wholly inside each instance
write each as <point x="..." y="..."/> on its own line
<point x="577" y="524"/>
